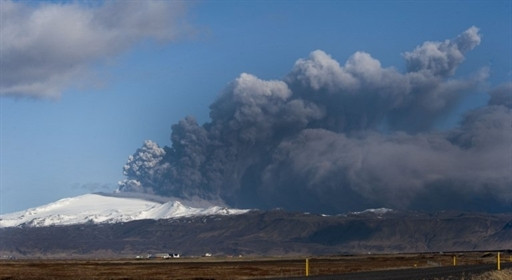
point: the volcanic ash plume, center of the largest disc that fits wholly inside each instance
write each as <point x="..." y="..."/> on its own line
<point x="332" y="138"/>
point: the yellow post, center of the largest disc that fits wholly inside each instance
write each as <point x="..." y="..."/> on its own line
<point x="499" y="262"/>
<point x="454" y="260"/>
<point x="307" y="267"/>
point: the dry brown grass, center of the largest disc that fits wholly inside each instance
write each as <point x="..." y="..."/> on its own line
<point x="229" y="268"/>
<point x="505" y="274"/>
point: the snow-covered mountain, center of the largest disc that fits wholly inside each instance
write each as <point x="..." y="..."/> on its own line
<point x="103" y="208"/>
<point x="377" y="211"/>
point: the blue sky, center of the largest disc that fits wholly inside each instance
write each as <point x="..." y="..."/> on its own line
<point x="76" y="138"/>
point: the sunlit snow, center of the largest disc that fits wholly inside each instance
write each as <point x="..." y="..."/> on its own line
<point x="98" y="208"/>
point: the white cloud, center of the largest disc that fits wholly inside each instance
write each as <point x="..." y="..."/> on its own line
<point x="321" y="71"/>
<point x="442" y="58"/>
<point x="47" y="47"/>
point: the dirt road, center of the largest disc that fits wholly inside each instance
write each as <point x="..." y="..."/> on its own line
<point x="433" y="273"/>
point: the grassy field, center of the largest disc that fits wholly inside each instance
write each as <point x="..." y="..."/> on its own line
<point x="495" y="275"/>
<point x="227" y="268"/>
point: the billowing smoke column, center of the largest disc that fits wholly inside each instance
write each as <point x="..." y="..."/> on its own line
<point x="332" y="138"/>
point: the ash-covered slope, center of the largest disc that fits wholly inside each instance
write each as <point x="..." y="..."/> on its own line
<point x="109" y="208"/>
<point x="267" y="233"/>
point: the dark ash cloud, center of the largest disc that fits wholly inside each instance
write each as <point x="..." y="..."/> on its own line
<point x="48" y="47"/>
<point x="502" y="95"/>
<point x="334" y="137"/>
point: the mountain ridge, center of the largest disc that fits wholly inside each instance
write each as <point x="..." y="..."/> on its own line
<point x="270" y="233"/>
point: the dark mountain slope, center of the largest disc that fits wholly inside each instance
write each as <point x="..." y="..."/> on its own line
<point x="267" y="233"/>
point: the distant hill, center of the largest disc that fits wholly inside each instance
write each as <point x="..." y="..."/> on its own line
<point x="274" y="232"/>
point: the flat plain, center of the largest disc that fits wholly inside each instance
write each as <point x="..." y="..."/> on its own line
<point x="231" y="267"/>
